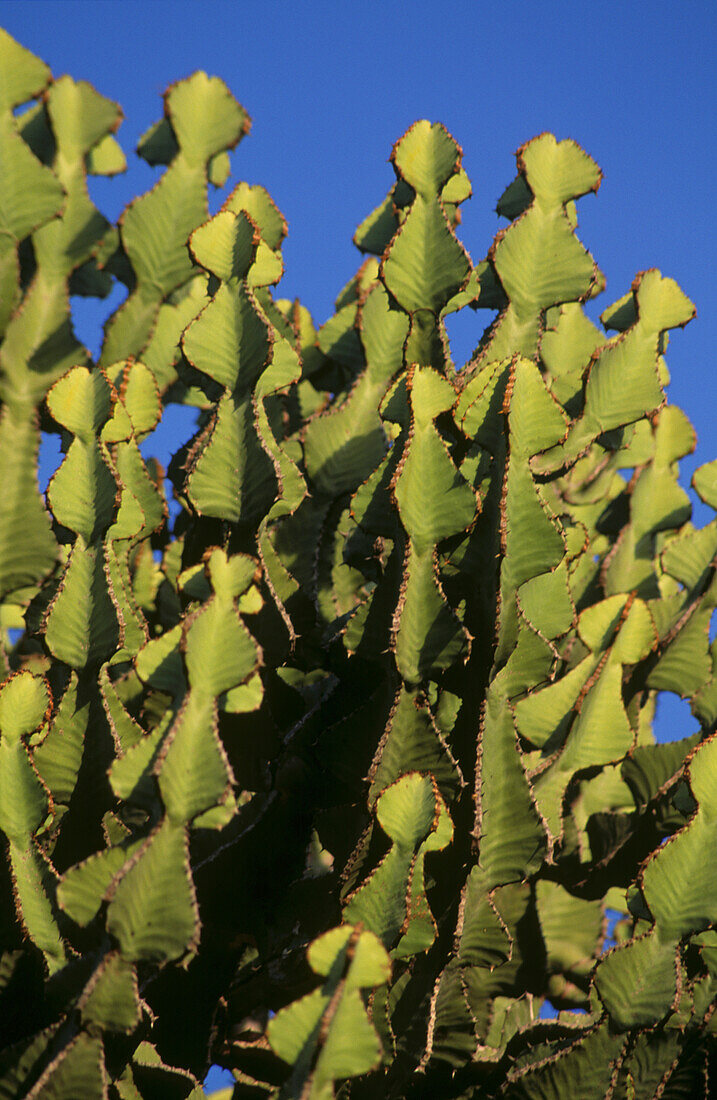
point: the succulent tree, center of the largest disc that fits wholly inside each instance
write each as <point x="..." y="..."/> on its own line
<point x="343" y="778"/>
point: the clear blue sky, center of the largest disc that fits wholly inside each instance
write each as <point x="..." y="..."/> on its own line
<point x="331" y="85"/>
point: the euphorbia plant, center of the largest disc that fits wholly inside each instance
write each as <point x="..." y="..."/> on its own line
<point x="335" y="778"/>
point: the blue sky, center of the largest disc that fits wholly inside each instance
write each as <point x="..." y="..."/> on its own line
<point x="331" y="86"/>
